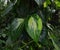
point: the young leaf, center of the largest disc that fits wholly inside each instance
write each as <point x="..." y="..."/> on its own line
<point x="34" y="27"/>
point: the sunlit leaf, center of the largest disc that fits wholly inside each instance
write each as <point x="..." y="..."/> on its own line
<point x="57" y="3"/>
<point x="45" y="4"/>
<point x="34" y="27"/>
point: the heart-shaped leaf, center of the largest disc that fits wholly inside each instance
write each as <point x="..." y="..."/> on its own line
<point x="34" y="27"/>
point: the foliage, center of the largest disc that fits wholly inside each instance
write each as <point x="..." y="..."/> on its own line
<point x="29" y="24"/>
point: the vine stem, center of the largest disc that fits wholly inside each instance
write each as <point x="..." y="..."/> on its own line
<point x="26" y="44"/>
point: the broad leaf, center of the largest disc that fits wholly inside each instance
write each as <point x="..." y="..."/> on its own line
<point x="16" y="28"/>
<point x="34" y="27"/>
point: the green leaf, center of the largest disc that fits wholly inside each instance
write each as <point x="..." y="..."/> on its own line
<point x="16" y="28"/>
<point x="46" y="3"/>
<point x="7" y="10"/>
<point x="57" y="3"/>
<point x="31" y="48"/>
<point x="54" y="40"/>
<point x="2" y="41"/>
<point x="34" y="27"/>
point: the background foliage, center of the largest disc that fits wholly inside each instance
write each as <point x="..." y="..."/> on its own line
<point x="29" y="24"/>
